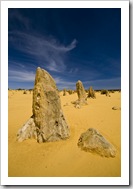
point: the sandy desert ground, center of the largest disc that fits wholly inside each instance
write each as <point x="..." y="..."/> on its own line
<point x="65" y="158"/>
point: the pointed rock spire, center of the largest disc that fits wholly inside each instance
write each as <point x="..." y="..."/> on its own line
<point x="47" y="122"/>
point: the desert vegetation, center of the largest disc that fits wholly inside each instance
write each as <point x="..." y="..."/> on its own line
<point x="25" y="92"/>
<point x="70" y="91"/>
<point x="104" y="91"/>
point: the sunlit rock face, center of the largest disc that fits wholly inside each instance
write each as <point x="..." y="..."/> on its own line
<point x="82" y="97"/>
<point x="48" y="121"/>
<point x="91" y="93"/>
<point x="92" y="141"/>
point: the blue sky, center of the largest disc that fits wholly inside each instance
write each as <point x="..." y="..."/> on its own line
<point x="71" y="44"/>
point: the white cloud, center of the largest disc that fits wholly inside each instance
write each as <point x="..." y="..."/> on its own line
<point x="73" y="70"/>
<point x="63" y="83"/>
<point x="21" y="76"/>
<point x="25" y="76"/>
<point x="47" y="50"/>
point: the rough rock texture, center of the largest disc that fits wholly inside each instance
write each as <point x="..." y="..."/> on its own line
<point x="91" y="93"/>
<point x="82" y="97"/>
<point x="48" y="122"/>
<point x="64" y="92"/>
<point x="94" y="142"/>
<point x="28" y="130"/>
<point x="77" y="106"/>
<point x="80" y="90"/>
<point x="70" y="91"/>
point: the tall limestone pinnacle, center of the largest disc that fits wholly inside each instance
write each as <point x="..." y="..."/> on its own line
<point x="47" y="122"/>
<point x="82" y="97"/>
<point x="91" y="93"/>
<point x="80" y="90"/>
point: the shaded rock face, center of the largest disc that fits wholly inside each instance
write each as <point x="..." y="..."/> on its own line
<point x="94" y="142"/>
<point x="48" y="121"/>
<point x="82" y="97"/>
<point x="91" y="93"/>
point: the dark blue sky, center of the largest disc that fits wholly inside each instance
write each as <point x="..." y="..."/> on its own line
<point x="71" y="44"/>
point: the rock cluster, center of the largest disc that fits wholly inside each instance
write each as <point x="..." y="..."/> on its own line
<point x="94" y="142"/>
<point x="47" y="122"/>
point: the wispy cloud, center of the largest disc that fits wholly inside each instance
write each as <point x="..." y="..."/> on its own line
<point x="36" y="50"/>
<point x="73" y="70"/>
<point x="47" y="50"/>
<point x="63" y="83"/>
<point x="21" y="76"/>
<point x="68" y="83"/>
<point x="22" y="64"/>
<point x="16" y="17"/>
<point x="111" y="83"/>
<point x="30" y="48"/>
<point x="25" y="76"/>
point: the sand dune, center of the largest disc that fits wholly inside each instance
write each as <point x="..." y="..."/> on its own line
<point x="64" y="158"/>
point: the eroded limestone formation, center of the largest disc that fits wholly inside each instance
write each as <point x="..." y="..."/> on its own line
<point x="82" y="97"/>
<point x="94" y="142"/>
<point x="64" y="92"/>
<point x="47" y="122"/>
<point x="80" y="90"/>
<point x="91" y="93"/>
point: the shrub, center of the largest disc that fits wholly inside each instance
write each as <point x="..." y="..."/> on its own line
<point x="25" y="92"/>
<point x="70" y="91"/>
<point x="112" y="91"/>
<point x="104" y="91"/>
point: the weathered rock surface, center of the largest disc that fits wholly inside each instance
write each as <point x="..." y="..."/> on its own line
<point x="48" y="121"/>
<point x="94" y="142"/>
<point x="91" y="93"/>
<point x="82" y="97"/>
<point x="28" y="130"/>
<point x="80" y="90"/>
<point x="64" y="92"/>
<point x="77" y="106"/>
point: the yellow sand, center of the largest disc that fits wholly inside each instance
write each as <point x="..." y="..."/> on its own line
<point x="64" y="158"/>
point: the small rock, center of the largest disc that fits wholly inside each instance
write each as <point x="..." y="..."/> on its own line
<point x="66" y="104"/>
<point x="116" y="108"/>
<point x="94" y="142"/>
<point x="77" y="106"/>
